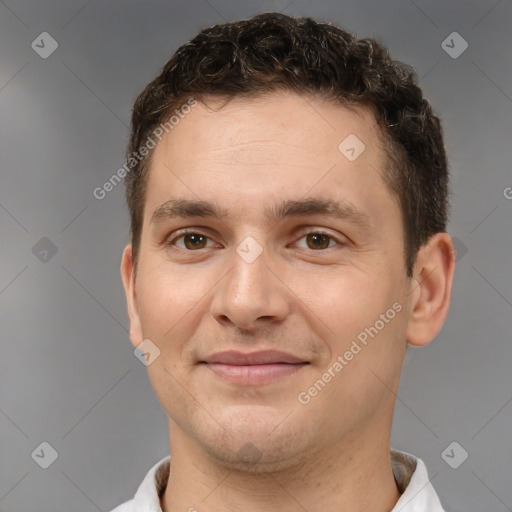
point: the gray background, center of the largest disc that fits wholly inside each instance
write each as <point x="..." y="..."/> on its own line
<point x="68" y="375"/>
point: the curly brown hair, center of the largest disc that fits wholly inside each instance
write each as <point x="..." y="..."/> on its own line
<point x="275" y="52"/>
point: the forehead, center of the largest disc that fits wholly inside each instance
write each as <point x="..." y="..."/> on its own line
<point x="304" y="123"/>
<point x="269" y="148"/>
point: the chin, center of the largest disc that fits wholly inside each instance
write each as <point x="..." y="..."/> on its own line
<point x="252" y="441"/>
<point x="257" y="459"/>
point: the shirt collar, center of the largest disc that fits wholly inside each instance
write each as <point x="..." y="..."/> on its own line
<point x="417" y="493"/>
<point x="412" y="480"/>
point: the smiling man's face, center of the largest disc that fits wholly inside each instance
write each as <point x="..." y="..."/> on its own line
<point x="264" y="253"/>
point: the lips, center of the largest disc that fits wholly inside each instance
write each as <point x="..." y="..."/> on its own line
<point x="235" y="358"/>
<point x="253" y="368"/>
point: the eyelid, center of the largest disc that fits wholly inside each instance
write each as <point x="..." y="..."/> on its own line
<point x="176" y="235"/>
<point x="339" y="239"/>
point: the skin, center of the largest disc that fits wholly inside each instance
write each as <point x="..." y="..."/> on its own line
<point x="248" y="156"/>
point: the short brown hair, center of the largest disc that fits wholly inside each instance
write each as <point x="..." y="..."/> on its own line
<point x="275" y="52"/>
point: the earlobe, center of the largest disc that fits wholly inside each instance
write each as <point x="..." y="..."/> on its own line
<point x="128" y="277"/>
<point x="431" y="289"/>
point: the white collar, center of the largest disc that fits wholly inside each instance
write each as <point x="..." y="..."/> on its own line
<point x="410" y="474"/>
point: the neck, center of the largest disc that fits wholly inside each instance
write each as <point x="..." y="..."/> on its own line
<point x="351" y="476"/>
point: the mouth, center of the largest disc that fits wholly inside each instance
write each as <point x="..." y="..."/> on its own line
<point x="253" y="368"/>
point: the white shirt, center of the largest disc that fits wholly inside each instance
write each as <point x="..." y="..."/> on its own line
<point x="410" y="473"/>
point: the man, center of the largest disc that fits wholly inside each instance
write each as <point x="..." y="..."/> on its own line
<point x="288" y="200"/>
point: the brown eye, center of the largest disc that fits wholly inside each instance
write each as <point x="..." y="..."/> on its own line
<point x="194" y="241"/>
<point x="317" y="241"/>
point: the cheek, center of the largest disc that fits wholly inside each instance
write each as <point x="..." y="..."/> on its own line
<point x="346" y="300"/>
<point x="169" y="303"/>
<point x="361" y="317"/>
<point x="167" y="297"/>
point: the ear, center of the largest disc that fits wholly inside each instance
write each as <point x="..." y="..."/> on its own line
<point x="431" y="289"/>
<point x="128" y="277"/>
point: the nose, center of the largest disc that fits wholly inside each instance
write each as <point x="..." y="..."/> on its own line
<point x="251" y="296"/>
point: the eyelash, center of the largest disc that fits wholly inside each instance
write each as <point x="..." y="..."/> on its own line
<point x="183" y="233"/>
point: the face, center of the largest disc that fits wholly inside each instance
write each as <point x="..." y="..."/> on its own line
<point x="271" y="277"/>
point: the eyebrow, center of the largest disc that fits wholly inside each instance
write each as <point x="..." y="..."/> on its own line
<point x="187" y="208"/>
<point x="290" y="208"/>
